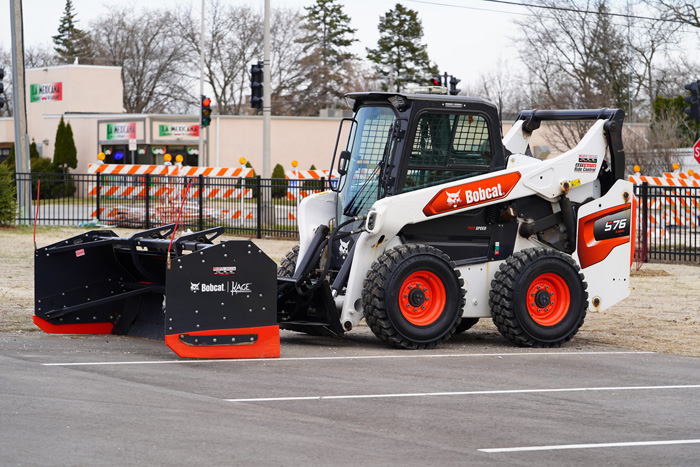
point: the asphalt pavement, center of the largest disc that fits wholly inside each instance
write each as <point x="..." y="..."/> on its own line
<point x="108" y="400"/>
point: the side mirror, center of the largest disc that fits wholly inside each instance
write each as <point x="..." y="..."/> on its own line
<point x="343" y="162"/>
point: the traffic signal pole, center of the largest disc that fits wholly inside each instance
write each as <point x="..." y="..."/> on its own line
<point x="24" y="196"/>
<point x="267" y="110"/>
<point x="200" y="154"/>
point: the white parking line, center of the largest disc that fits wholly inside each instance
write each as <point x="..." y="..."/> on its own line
<point x="462" y="393"/>
<point x="592" y="446"/>
<point x="355" y="357"/>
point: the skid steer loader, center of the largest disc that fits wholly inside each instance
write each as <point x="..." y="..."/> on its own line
<point x="435" y="222"/>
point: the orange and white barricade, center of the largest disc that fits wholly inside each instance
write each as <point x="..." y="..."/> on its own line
<point x="297" y="179"/>
<point x="681" y="207"/>
<point x="167" y="191"/>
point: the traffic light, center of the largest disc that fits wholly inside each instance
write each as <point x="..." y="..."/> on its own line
<point x="206" y="111"/>
<point x="2" y="88"/>
<point x="453" y="86"/>
<point x="694" y="100"/>
<point x="436" y="80"/>
<point x="256" y="85"/>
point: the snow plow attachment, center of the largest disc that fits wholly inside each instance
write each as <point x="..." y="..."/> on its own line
<point x="204" y="300"/>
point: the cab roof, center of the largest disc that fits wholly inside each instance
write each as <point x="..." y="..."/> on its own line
<point x="371" y="96"/>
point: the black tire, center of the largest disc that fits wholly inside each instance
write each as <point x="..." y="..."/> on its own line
<point x="404" y="267"/>
<point x="288" y="263"/>
<point x="466" y="324"/>
<point x="525" y="298"/>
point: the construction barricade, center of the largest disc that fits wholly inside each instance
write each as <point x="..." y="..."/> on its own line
<point x="154" y="194"/>
<point x="302" y="183"/>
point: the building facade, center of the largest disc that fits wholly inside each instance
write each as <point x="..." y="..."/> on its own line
<point x="90" y="98"/>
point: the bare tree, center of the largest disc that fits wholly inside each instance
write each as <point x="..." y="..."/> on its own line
<point x="648" y="39"/>
<point x="287" y="70"/>
<point x="6" y="64"/>
<point x="670" y="79"/>
<point x="151" y="53"/>
<point x="39" y="57"/>
<point x="654" y="151"/>
<point x="576" y="58"/>
<point x="234" y="40"/>
<point x="681" y="10"/>
<point x="508" y="91"/>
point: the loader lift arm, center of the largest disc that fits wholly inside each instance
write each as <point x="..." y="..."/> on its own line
<point x="613" y="132"/>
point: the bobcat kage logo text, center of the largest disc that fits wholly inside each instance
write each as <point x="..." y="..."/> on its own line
<point x="231" y="287"/>
<point x="470" y="194"/>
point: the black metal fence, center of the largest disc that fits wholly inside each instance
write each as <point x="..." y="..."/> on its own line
<point x="667" y="216"/>
<point x="667" y="223"/>
<point x="257" y="206"/>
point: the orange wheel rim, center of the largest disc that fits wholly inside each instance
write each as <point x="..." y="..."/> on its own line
<point x="548" y="299"/>
<point x="422" y="298"/>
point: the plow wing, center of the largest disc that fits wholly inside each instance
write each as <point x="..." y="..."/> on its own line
<point x="206" y="301"/>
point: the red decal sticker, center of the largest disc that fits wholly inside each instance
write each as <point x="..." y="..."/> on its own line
<point x="79" y="253"/>
<point x="600" y="232"/>
<point x="471" y="194"/>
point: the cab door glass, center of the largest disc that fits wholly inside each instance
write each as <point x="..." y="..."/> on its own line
<point x="447" y="147"/>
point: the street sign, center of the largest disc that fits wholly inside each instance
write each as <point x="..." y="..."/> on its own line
<point x="696" y="151"/>
<point x="132" y="144"/>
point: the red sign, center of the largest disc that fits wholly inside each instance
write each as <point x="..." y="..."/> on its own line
<point x="696" y="151"/>
<point x="470" y="194"/>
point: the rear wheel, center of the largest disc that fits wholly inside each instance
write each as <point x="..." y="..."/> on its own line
<point x="538" y="298"/>
<point x="413" y="297"/>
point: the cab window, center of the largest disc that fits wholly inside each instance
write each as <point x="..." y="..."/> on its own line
<point x="448" y="147"/>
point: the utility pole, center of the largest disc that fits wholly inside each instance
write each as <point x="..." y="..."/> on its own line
<point x="267" y="101"/>
<point x="24" y="197"/>
<point x="200" y="155"/>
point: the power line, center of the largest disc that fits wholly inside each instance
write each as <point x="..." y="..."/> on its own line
<point x="548" y="7"/>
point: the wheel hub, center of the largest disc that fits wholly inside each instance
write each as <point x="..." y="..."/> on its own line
<point x="543" y="298"/>
<point x="416" y="297"/>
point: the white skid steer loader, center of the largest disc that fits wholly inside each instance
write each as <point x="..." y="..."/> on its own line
<point x="435" y="222"/>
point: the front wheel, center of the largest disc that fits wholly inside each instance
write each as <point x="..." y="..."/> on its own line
<point x="538" y="298"/>
<point x="413" y="297"/>
<point x="288" y="264"/>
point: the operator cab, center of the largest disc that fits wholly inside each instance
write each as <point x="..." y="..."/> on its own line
<point x="399" y="142"/>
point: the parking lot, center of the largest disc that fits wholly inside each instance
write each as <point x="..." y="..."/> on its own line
<point x="619" y="393"/>
<point x="108" y="400"/>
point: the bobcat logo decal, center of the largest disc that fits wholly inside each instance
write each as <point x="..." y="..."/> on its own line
<point x="194" y="288"/>
<point x="453" y="199"/>
<point x="343" y="248"/>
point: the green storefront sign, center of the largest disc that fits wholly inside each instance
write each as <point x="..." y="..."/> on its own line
<point x="121" y="130"/>
<point x="45" y="92"/>
<point x="168" y="130"/>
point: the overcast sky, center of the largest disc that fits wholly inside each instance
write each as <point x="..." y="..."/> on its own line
<point x="466" y="38"/>
<point x="462" y="41"/>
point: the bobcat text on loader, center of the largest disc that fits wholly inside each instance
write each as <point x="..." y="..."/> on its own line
<point x="436" y="221"/>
